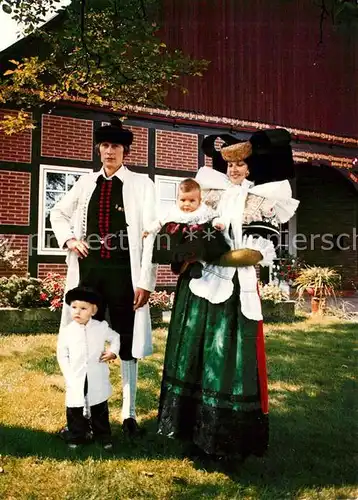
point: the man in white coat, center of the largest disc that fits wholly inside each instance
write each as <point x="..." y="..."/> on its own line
<point x="100" y="221"/>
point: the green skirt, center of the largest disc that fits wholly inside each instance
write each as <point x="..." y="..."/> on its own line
<point x="210" y="392"/>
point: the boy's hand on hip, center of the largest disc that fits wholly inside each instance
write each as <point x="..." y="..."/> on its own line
<point x="141" y="297"/>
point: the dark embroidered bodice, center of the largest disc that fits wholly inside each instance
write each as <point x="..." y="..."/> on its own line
<point x="106" y="225"/>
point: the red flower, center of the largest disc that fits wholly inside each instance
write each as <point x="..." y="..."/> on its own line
<point x="43" y="296"/>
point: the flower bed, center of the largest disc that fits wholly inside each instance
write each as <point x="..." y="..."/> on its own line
<point x="276" y="305"/>
<point x="31" y="305"/>
<point x="159" y="302"/>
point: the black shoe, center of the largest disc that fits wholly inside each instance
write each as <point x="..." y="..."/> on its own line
<point x="130" y="427"/>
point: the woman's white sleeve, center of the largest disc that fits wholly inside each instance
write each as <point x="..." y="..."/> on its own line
<point x="262" y="245"/>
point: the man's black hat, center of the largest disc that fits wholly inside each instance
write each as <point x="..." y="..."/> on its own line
<point x="83" y="293"/>
<point x="114" y="133"/>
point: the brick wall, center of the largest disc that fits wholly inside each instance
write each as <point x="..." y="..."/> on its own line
<point x="139" y="147"/>
<point x="16" y="147"/>
<point x="166" y="277"/>
<point x="328" y="206"/>
<point x="17" y="242"/>
<point x="176" y="150"/>
<point x="43" y="269"/>
<point x="65" y="137"/>
<point x="15" y="197"/>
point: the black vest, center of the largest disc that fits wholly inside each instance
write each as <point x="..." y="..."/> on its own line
<point x="106" y="225"/>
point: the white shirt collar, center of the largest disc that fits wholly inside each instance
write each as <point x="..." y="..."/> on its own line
<point x="120" y="173"/>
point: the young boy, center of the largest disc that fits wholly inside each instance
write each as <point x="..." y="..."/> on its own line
<point x="188" y="233"/>
<point x="82" y="357"/>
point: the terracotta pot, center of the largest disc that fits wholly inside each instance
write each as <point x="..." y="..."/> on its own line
<point x="318" y="305"/>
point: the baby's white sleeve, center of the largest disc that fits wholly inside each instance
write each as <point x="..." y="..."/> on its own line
<point x="154" y="227"/>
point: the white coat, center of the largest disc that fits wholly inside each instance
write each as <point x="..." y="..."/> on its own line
<point x="79" y="348"/>
<point x="69" y="220"/>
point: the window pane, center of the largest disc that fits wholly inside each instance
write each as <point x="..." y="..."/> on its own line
<point x="165" y="206"/>
<point x="55" y="181"/>
<point x="167" y="190"/>
<point x="71" y="179"/>
<point x="50" y="240"/>
<point x="52" y="198"/>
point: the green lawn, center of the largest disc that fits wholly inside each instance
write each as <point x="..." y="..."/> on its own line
<point x="313" y="398"/>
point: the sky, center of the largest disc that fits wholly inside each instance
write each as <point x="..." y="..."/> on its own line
<point x="9" y="29"/>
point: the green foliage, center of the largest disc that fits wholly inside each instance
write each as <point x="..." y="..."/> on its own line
<point x="102" y="53"/>
<point x="27" y="292"/>
<point x="20" y="292"/>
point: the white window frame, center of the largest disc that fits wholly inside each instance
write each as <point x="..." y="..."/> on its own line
<point x="44" y="169"/>
<point x="160" y="178"/>
<point x="292" y="230"/>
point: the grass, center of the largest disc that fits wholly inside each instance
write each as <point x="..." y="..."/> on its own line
<point x="313" y="398"/>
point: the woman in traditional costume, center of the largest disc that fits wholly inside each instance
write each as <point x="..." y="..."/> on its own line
<point x="214" y="387"/>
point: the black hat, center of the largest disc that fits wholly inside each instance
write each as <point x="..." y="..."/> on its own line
<point x="83" y="293"/>
<point x="208" y="147"/>
<point x="114" y="133"/>
<point x="268" y="154"/>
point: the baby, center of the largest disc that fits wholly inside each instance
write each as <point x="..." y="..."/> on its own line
<point x="82" y="358"/>
<point x="188" y="233"/>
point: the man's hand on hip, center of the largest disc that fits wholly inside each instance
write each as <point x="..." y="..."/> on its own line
<point x="141" y="297"/>
<point x="80" y="247"/>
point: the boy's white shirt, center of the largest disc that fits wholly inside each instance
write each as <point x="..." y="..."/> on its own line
<point x="69" y="220"/>
<point x="79" y="348"/>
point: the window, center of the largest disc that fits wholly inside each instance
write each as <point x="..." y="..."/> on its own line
<point x="167" y="192"/>
<point x="54" y="183"/>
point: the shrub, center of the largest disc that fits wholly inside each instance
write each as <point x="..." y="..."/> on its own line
<point x="272" y="293"/>
<point x="20" y="292"/>
<point x="9" y="259"/>
<point x="27" y="292"/>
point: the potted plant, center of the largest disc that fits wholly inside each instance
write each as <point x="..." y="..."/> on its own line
<point x="159" y="302"/>
<point x="319" y="283"/>
<point x="275" y="303"/>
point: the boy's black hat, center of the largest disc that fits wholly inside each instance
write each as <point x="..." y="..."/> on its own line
<point x="83" y="293"/>
<point x="114" y="133"/>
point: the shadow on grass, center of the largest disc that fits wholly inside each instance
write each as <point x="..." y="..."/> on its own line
<point x="298" y="318"/>
<point x="312" y="424"/>
<point x="26" y="442"/>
